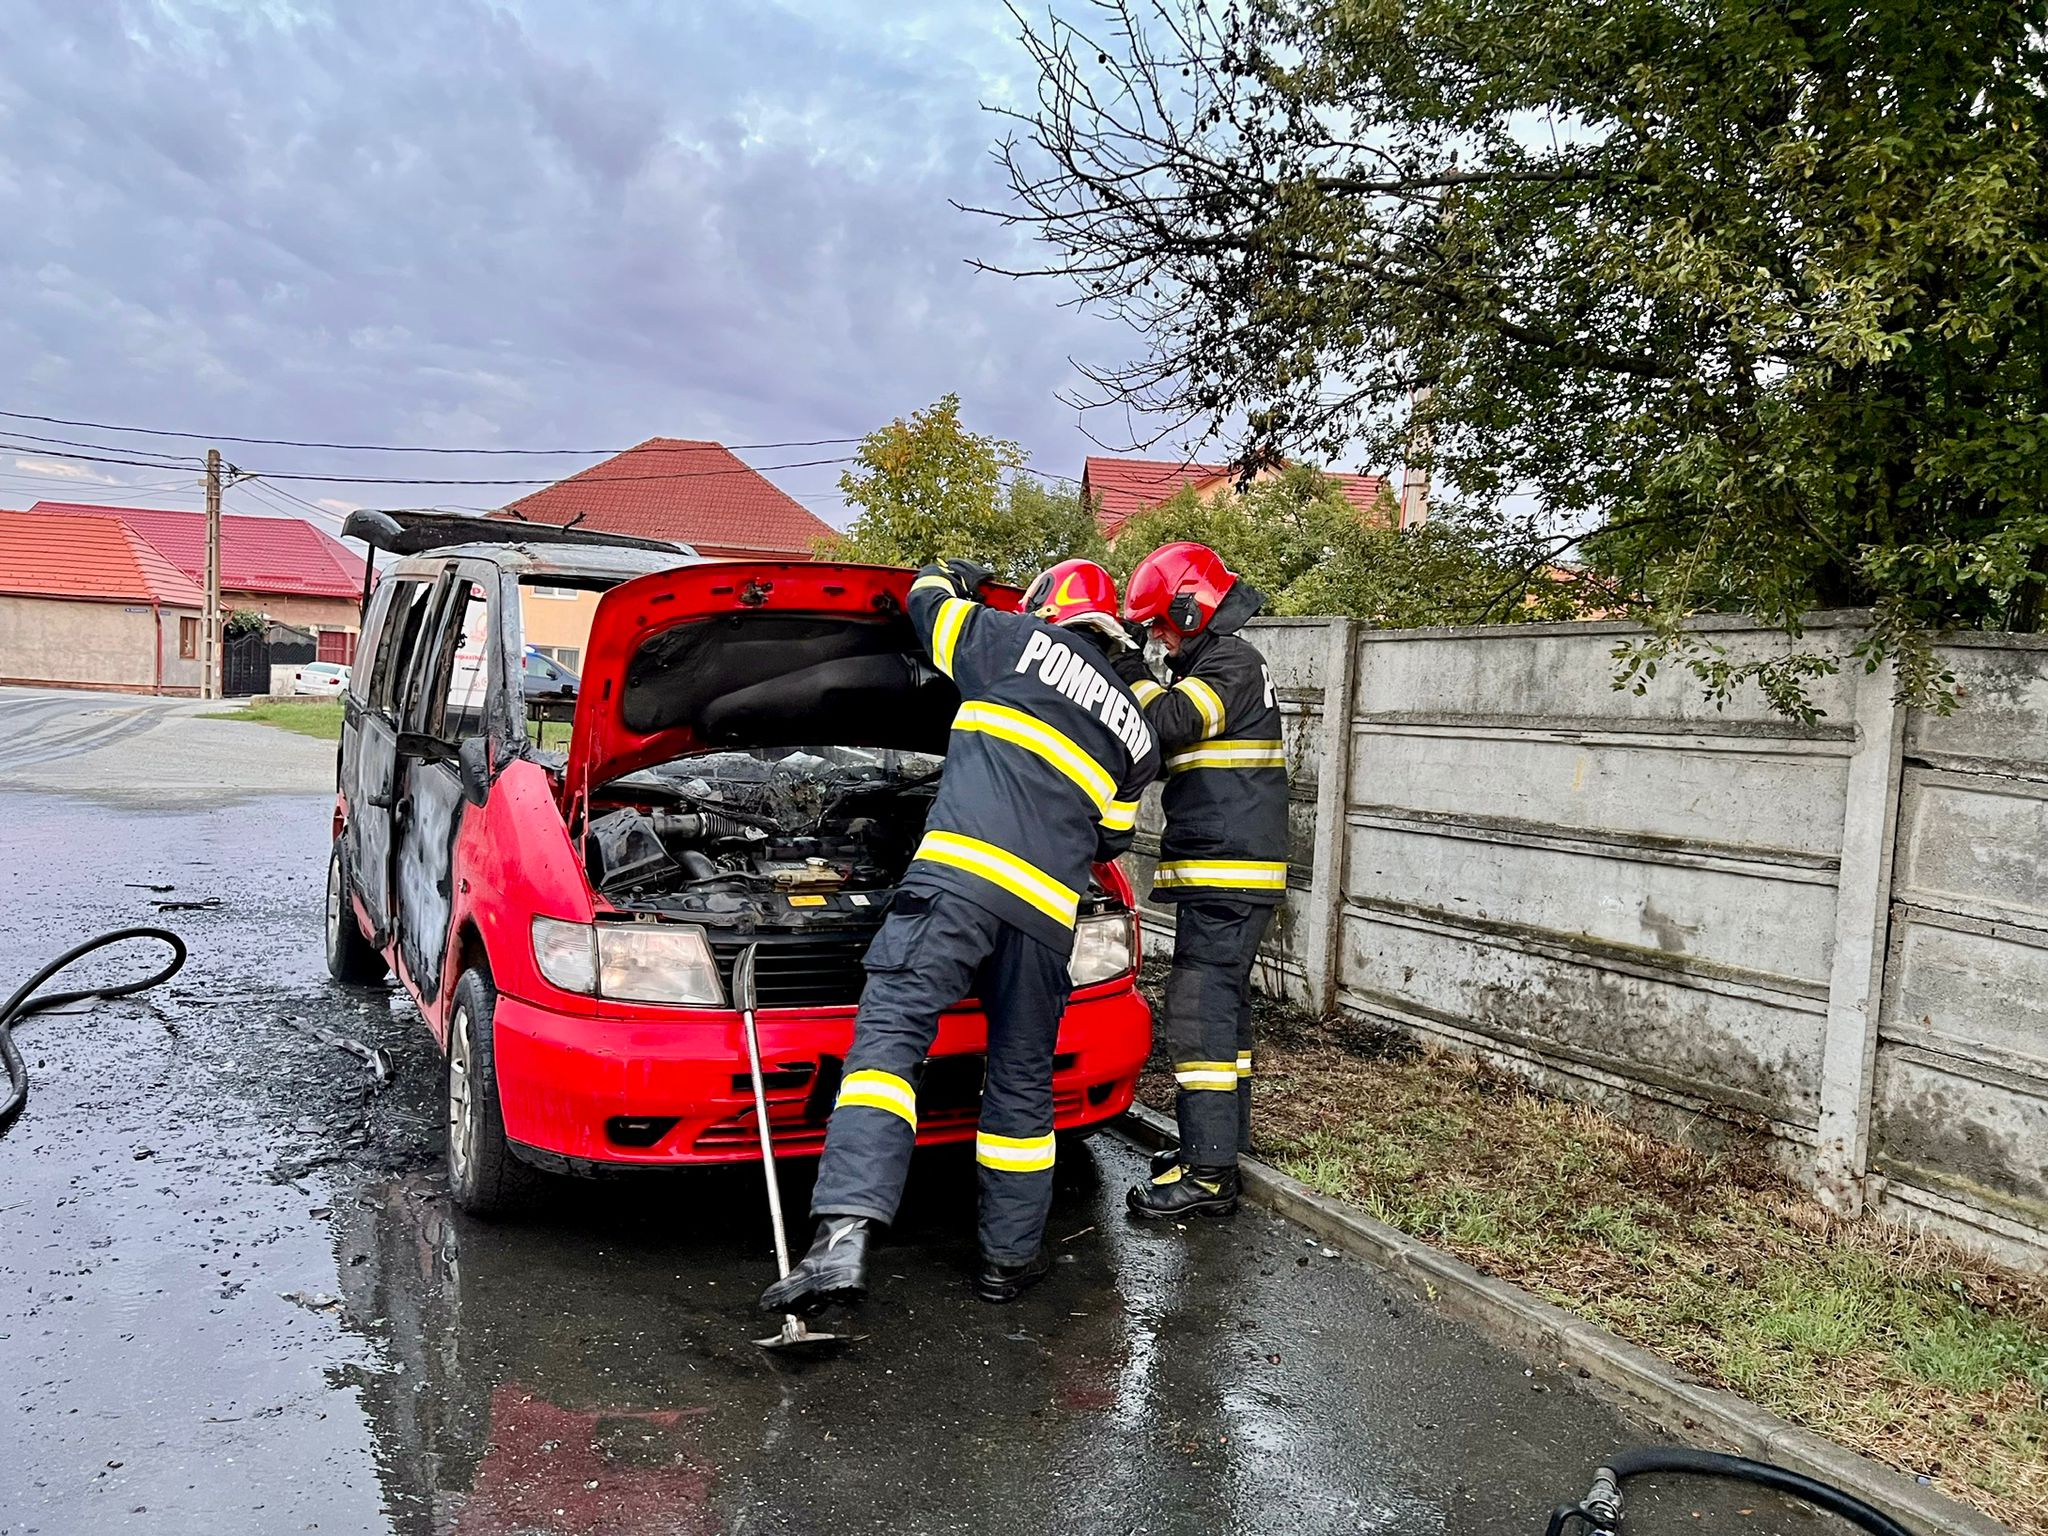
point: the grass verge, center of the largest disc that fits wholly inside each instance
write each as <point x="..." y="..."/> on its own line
<point x="1897" y="1344"/>
<point x="309" y="717"/>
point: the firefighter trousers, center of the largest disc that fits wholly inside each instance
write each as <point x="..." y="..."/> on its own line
<point x="935" y="949"/>
<point x="1209" y="1025"/>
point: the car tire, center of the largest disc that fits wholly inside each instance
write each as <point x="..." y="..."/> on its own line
<point x="351" y="958"/>
<point x="483" y="1175"/>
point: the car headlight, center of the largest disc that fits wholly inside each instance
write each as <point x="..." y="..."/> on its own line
<point x="1102" y="949"/>
<point x="566" y="954"/>
<point x="631" y="962"/>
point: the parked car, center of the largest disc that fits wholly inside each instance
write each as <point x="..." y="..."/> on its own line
<point x="321" y="679"/>
<point x="751" y="754"/>
<point x="544" y="677"/>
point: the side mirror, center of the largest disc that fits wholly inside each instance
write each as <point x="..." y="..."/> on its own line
<point x="473" y="767"/>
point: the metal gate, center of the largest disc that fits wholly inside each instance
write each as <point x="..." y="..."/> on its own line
<point x="245" y="665"/>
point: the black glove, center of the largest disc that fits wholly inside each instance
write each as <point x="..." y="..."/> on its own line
<point x="969" y="576"/>
<point x="1130" y="666"/>
<point x="1140" y="634"/>
<point x="943" y="569"/>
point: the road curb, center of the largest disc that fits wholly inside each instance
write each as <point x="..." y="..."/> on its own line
<point x="1650" y="1384"/>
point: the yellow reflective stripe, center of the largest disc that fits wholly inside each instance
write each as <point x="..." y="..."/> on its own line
<point x="1144" y="690"/>
<point x="1014" y="1154"/>
<point x="1027" y="882"/>
<point x="1238" y="874"/>
<point x="879" y="1090"/>
<point x="1121" y="816"/>
<point x="952" y="619"/>
<point x="1042" y="740"/>
<point x="1201" y="1075"/>
<point x="1206" y="701"/>
<point x="934" y="584"/>
<point x="1244" y="1063"/>
<point x="1229" y="754"/>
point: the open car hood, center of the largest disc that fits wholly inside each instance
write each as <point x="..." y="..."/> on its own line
<point x="727" y="654"/>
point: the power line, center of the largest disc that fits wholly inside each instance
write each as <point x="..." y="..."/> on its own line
<point x="292" y="442"/>
<point x="586" y="478"/>
<point x="68" y="442"/>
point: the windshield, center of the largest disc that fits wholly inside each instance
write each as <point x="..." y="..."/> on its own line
<point x="555" y="615"/>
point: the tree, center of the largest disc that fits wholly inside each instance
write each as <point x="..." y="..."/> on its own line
<point x="1305" y="546"/>
<point x="1749" y="296"/>
<point x="928" y="487"/>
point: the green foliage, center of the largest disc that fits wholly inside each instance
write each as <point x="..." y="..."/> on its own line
<point x="243" y="621"/>
<point x="928" y="487"/>
<point x="1297" y="539"/>
<point x="1754" y="298"/>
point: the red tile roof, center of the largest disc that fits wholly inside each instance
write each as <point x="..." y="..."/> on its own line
<point x="674" y="488"/>
<point x="1126" y="487"/>
<point x="87" y="555"/>
<point x="277" y="556"/>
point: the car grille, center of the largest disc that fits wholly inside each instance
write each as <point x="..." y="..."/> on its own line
<point x="799" y="970"/>
<point x="798" y="1130"/>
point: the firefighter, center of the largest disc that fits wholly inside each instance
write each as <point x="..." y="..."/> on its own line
<point x="1222" y="856"/>
<point x="1048" y="756"/>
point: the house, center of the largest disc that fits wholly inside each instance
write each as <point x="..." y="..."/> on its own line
<point x="1122" y="488"/>
<point x="695" y="493"/>
<point x="281" y="567"/>
<point x="87" y="602"/>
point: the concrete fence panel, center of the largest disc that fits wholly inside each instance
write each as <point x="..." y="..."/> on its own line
<point x="1960" y="1105"/>
<point x="1835" y="933"/>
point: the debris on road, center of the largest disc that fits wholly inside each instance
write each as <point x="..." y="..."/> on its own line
<point x="375" y="1057"/>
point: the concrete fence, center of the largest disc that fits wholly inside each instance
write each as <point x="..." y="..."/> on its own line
<point x="1836" y="934"/>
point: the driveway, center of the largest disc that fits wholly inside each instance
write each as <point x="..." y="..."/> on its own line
<point x="235" y="1298"/>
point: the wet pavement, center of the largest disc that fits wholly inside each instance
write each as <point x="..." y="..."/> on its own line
<point x="235" y="1298"/>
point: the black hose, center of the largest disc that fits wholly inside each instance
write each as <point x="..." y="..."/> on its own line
<point x="25" y="1002"/>
<point x="1741" y="1469"/>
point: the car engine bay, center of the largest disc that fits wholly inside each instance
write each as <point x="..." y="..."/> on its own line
<point x="770" y="836"/>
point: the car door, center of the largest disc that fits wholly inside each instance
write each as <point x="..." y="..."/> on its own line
<point x="453" y="699"/>
<point x="369" y="747"/>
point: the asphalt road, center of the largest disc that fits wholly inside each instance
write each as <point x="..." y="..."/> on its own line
<point x="234" y="1296"/>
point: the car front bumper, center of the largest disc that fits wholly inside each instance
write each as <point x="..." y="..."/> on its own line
<point x="667" y="1088"/>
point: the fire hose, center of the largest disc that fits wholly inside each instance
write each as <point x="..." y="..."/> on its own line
<point x="26" y="1003"/>
<point x="1599" y="1513"/>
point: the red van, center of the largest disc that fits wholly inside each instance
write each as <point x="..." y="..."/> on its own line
<point x="561" y="873"/>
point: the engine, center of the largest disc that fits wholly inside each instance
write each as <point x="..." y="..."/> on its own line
<point x="805" y="839"/>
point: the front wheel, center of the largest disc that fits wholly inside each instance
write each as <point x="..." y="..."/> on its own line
<point x="351" y="958"/>
<point x="483" y="1175"/>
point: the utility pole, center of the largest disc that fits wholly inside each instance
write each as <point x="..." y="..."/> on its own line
<point x="210" y="625"/>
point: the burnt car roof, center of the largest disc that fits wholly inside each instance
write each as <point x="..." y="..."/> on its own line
<point x="419" y="531"/>
<point x="541" y="549"/>
<point x="595" y="561"/>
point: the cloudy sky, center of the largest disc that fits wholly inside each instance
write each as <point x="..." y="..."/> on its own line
<point x="532" y="223"/>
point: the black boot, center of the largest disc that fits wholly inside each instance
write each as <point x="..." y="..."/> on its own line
<point x="1006" y="1282"/>
<point x="836" y="1269"/>
<point x="1164" y="1159"/>
<point x="1184" y="1191"/>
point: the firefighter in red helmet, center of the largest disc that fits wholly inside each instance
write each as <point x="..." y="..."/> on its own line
<point x="1049" y="754"/>
<point x="1222" y="857"/>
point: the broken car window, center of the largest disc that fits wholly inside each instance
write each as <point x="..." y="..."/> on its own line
<point x="459" y="711"/>
<point x="405" y="614"/>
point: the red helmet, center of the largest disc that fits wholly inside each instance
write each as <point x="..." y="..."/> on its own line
<point x="1178" y="585"/>
<point x="1074" y="592"/>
